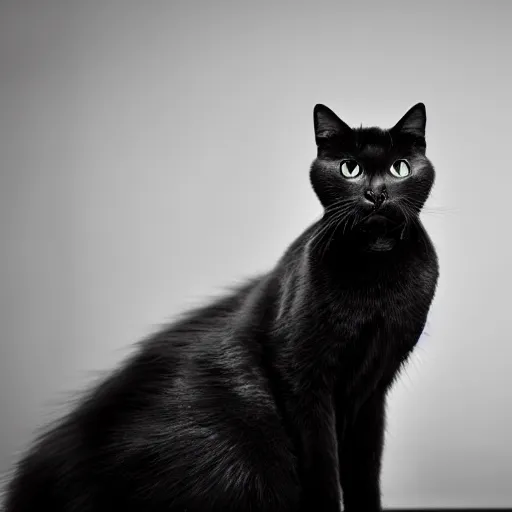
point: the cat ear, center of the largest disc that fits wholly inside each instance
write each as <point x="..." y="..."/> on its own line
<point x="413" y="121"/>
<point x="328" y="125"/>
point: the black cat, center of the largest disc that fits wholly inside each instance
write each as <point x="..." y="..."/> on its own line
<point x="272" y="398"/>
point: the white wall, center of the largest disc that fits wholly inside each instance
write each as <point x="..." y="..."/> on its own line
<point x="154" y="152"/>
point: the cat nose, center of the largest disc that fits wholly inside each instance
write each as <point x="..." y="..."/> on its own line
<point x="376" y="196"/>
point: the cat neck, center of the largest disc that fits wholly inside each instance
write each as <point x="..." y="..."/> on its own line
<point x="366" y="258"/>
<point x="315" y="274"/>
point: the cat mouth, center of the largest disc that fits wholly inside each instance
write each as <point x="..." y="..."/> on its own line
<point x="379" y="222"/>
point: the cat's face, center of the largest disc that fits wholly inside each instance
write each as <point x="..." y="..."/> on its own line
<point x="367" y="176"/>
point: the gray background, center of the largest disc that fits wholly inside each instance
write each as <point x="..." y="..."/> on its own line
<point x="154" y="152"/>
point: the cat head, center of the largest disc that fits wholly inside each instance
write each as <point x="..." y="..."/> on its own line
<point x="361" y="174"/>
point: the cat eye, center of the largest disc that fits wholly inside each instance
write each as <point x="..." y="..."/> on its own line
<point x="400" y="169"/>
<point x="350" y="168"/>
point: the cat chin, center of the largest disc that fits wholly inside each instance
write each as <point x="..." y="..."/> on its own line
<point x="379" y="234"/>
<point x="380" y="244"/>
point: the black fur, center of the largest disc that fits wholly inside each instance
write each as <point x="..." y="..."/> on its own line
<point x="272" y="398"/>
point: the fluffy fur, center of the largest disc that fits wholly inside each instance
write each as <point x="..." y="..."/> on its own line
<point x="271" y="399"/>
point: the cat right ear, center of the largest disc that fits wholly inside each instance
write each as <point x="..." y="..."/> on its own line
<point x="413" y="121"/>
<point x="328" y="125"/>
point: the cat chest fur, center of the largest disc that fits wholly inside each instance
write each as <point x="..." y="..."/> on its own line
<point x="369" y="330"/>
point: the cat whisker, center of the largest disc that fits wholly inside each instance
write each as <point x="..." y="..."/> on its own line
<point x="429" y="210"/>
<point x="338" y="217"/>
<point x="317" y="237"/>
<point x="414" y="220"/>
<point x="341" y="202"/>
<point x="438" y="211"/>
<point x="325" y="229"/>
<point x="339" y="221"/>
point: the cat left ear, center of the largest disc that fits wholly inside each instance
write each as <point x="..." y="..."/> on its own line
<point x="414" y="121"/>
<point x="328" y="125"/>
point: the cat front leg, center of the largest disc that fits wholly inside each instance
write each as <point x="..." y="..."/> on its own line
<point x="319" y="455"/>
<point x="361" y="440"/>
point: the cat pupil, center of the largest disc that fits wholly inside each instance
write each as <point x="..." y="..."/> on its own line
<point x="401" y="167"/>
<point x="350" y="168"/>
